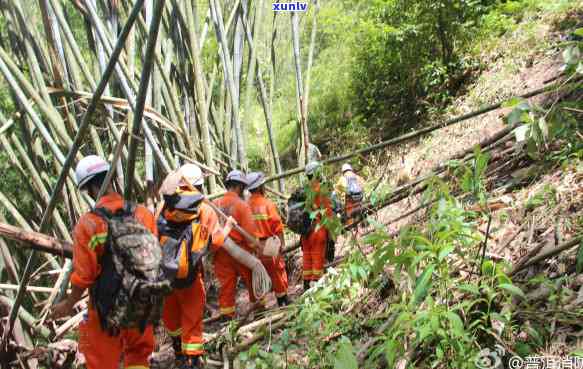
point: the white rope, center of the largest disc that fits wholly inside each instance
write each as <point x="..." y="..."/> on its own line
<point x="260" y="278"/>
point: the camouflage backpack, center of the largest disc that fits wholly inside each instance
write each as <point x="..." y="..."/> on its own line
<point x="130" y="290"/>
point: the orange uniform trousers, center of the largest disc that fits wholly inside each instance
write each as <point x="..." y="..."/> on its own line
<point x="352" y="211"/>
<point x="314" y="253"/>
<point x="275" y="266"/>
<point x="227" y="270"/>
<point x="183" y="315"/>
<point x="103" y="351"/>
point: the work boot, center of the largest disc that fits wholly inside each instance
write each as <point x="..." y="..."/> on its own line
<point x="177" y="345"/>
<point x="189" y="362"/>
<point x="282" y="301"/>
<point x="181" y="361"/>
<point x="224" y="319"/>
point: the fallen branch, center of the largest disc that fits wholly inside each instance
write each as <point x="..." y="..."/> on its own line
<point x="37" y="241"/>
<point x="565" y="246"/>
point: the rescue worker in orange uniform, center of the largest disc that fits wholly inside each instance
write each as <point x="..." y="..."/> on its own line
<point x="184" y="308"/>
<point x="227" y="269"/>
<point x="101" y="350"/>
<point x="314" y="243"/>
<point x="352" y="205"/>
<point x="269" y="225"/>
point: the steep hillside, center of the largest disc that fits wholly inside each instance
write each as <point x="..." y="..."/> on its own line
<point x="485" y="271"/>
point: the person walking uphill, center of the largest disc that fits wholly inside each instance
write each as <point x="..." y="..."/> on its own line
<point x="227" y="268"/>
<point x="187" y="227"/>
<point x="269" y="225"/>
<point x="351" y="185"/>
<point x="102" y="348"/>
<point x="315" y="241"/>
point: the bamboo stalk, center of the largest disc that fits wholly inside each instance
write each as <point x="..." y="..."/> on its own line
<point x="200" y="94"/>
<point x="89" y="112"/>
<point x="14" y="287"/>
<point x="112" y="168"/>
<point x="265" y="105"/>
<point x="37" y="241"/>
<point x="142" y="91"/>
<point x="70" y="157"/>
<point x="420" y="132"/>
<point x="306" y="96"/>
<point x="26" y="317"/>
<point x="228" y="67"/>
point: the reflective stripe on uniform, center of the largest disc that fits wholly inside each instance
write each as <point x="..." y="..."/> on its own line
<point x="317" y="272"/>
<point x="97" y="239"/>
<point x="190" y="347"/>
<point x="307" y="272"/>
<point x="261" y="217"/>
<point x="136" y="367"/>
<point x="175" y="333"/>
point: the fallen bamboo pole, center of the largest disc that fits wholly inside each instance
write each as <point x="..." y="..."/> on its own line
<point x="555" y="251"/>
<point x="421" y="132"/>
<point x="37" y="241"/>
<point x="14" y="287"/>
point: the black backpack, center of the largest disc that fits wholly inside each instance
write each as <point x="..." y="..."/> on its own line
<point x="178" y="251"/>
<point x="130" y="290"/>
<point x="298" y="219"/>
<point x="184" y="243"/>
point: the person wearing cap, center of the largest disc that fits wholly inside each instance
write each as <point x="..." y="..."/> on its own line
<point x="227" y="269"/>
<point x="351" y="206"/>
<point x="184" y="308"/>
<point x="269" y="224"/>
<point x="314" y="243"/>
<point x="101" y="350"/>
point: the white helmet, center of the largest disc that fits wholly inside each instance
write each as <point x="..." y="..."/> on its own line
<point x="347" y="167"/>
<point x="89" y="167"/>
<point x="192" y="174"/>
<point x="256" y="180"/>
<point x="236" y="176"/>
<point x="312" y="167"/>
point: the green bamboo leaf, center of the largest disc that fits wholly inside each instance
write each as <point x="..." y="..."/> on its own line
<point x="580" y="258"/>
<point x="513" y="103"/>
<point x="345" y="358"/>
<point x="444" y="252"/>
<point x="456" y="323"/>
<point x="469" y="288"/>
<point x="578" y="32"/>
<point x="423" y="284"/>
<point x="512" y="289"/>
<point x="391" y="351"/>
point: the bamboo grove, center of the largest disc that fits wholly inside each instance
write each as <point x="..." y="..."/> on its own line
<point x="148" y="85"/>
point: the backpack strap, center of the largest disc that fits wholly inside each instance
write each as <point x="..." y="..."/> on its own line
<point x="103" y="213"/>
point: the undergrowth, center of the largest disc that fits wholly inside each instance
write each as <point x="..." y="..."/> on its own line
<point x="429" y="298"/>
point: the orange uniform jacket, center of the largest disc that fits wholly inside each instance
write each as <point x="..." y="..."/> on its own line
<point x="314" y="243"/>
<point x="269" y="224"/>
<point x="184" y="308"/>
<point x="102" y="351"/>
<point x="228" y="269"/>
